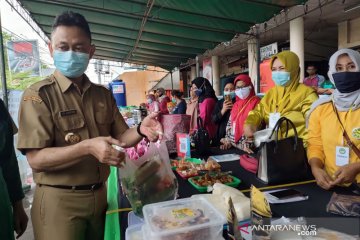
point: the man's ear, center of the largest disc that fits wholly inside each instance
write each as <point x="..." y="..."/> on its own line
<point x="92" y="51"/>
<point x="51" y="50"/>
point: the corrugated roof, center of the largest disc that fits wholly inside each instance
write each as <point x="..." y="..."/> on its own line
<point x="162" y="33"/>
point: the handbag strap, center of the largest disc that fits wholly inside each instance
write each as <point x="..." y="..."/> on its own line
<point x="200" y="122"/>
<point x="277" y="128"/>
<point x="345" y="135"/>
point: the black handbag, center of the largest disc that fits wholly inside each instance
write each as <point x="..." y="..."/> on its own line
<point x="283" y="160"/>
<point x="201" y="138"/>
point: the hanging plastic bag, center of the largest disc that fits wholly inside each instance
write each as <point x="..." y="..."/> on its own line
<point x="147" y="176"/>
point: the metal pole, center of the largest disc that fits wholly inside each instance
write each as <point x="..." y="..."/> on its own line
<point x="172" y="83"/>
<point x="2" y="66"/>
<point x="258" y="61"/>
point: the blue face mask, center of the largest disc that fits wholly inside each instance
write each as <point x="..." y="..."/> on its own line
<point x="198" y="92"/>
<point x="280" y="78"/>
<point x="71" y="64"/>
<point x="231" y="93"/>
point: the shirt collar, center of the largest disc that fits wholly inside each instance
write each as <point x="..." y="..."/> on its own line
<point x="65" y="83"/>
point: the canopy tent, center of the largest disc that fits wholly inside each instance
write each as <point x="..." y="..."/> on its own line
<point x="162" y="33"/>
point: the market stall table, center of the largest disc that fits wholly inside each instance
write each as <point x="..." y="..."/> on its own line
<point x="313" y="209"/>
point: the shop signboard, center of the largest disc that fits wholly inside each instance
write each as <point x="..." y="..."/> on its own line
<point x="207" y="69"/>
<point x="268" y="51"/>
<point x="24" y="56"/>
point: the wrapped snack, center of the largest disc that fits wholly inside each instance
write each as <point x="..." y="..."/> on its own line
<point x="260" y="213"/>
<point x="346" y="205"/>
<point x="147" y="176"/>
<point x="232" y="228"/>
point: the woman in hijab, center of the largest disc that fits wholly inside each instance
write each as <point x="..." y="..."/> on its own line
<point x="207" y="101"/>
<point x="12" y="213"/>
<point x="332" y="160"/>
<point x="246" y="100"/>
<point x="192" y="110"/>
<point x="222" y="111"/>
<point x="288" y="98"/>
<point x="152" y="104"/>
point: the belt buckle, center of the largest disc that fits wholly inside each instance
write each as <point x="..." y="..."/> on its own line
<point x="93" y="187"/>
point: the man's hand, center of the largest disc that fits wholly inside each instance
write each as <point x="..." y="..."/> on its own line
<point x="322" y="178"/>
<point x="249" y="130"/>
<point x="227" y="105"/>
<point x="346" y="174"/>
<point x="20" y="218"/>
<point x="151" y="127"/>
<point x="101" y="148"/>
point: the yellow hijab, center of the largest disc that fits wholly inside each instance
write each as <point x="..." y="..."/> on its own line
<point x="291" y="63"/>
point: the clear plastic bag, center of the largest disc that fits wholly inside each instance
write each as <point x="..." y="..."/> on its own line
<point x="147" y="176"/>
<point x="345" y="205"/>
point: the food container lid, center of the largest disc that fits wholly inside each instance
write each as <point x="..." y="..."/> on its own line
<point x="134" y="232"/>
<point x="182" y="215"/>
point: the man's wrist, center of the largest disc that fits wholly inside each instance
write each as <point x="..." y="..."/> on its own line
<point x="138" y="129"/>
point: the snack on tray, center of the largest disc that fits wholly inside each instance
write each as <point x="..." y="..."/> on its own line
<point x="211" y="179"/>
<point x="211" y="165"/>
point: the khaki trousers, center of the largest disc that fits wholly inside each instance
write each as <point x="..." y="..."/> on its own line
<point x="61" y="214"/>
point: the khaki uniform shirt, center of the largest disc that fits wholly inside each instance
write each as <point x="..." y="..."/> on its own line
<point x="55" y="107"/>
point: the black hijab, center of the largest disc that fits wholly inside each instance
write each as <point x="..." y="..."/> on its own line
<point x="207" y="89"/>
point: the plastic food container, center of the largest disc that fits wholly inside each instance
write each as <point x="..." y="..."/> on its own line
<point x="134" y="232"/>
<point x="234" y="183"/>
<point x="183" y="219"/>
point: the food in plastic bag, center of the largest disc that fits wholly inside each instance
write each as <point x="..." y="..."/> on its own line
<point x="346" y="205"/>
<point x="147" y="176"/>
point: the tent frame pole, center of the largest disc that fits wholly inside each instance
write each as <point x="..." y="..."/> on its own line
<point x="2" y="66"/>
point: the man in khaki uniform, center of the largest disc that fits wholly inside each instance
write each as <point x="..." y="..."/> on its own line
<point x="67" y="128"/>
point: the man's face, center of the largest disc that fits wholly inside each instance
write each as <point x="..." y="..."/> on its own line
<point x="72" y="38"/>
<point x="159" y="93"/>
<point x="311" y="70"/>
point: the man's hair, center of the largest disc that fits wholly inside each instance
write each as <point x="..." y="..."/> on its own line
<point x="69" y="18"/>
<point x="311" y="65"/>
<point x="162" y="90"/>
<point x="177" y="93"/>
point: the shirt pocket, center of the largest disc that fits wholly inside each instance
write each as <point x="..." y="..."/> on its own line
<point x="70" y="123"/>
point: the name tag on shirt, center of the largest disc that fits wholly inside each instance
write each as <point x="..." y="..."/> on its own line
<point x="273" y="118"/>
<point x="342" y="156"/>
<point x="68" y="112"/>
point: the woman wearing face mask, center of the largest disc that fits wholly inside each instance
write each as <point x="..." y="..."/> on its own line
<point x="180" y="107"/>
<point x="222" y="111"/>
<point x="332" y="160"/>
<point x="207" y="101"/>
<point x="246" y="100"/>
<point x="152" y="104"/>
<point x="288" y="98"/>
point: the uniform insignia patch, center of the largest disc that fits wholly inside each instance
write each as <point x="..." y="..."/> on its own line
<point x="33" y="98"/>
<point x="356" y="133"/>
<point x="72" y="138"/>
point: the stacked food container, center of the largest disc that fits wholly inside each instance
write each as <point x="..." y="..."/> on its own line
<point x="185" y="219"/>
